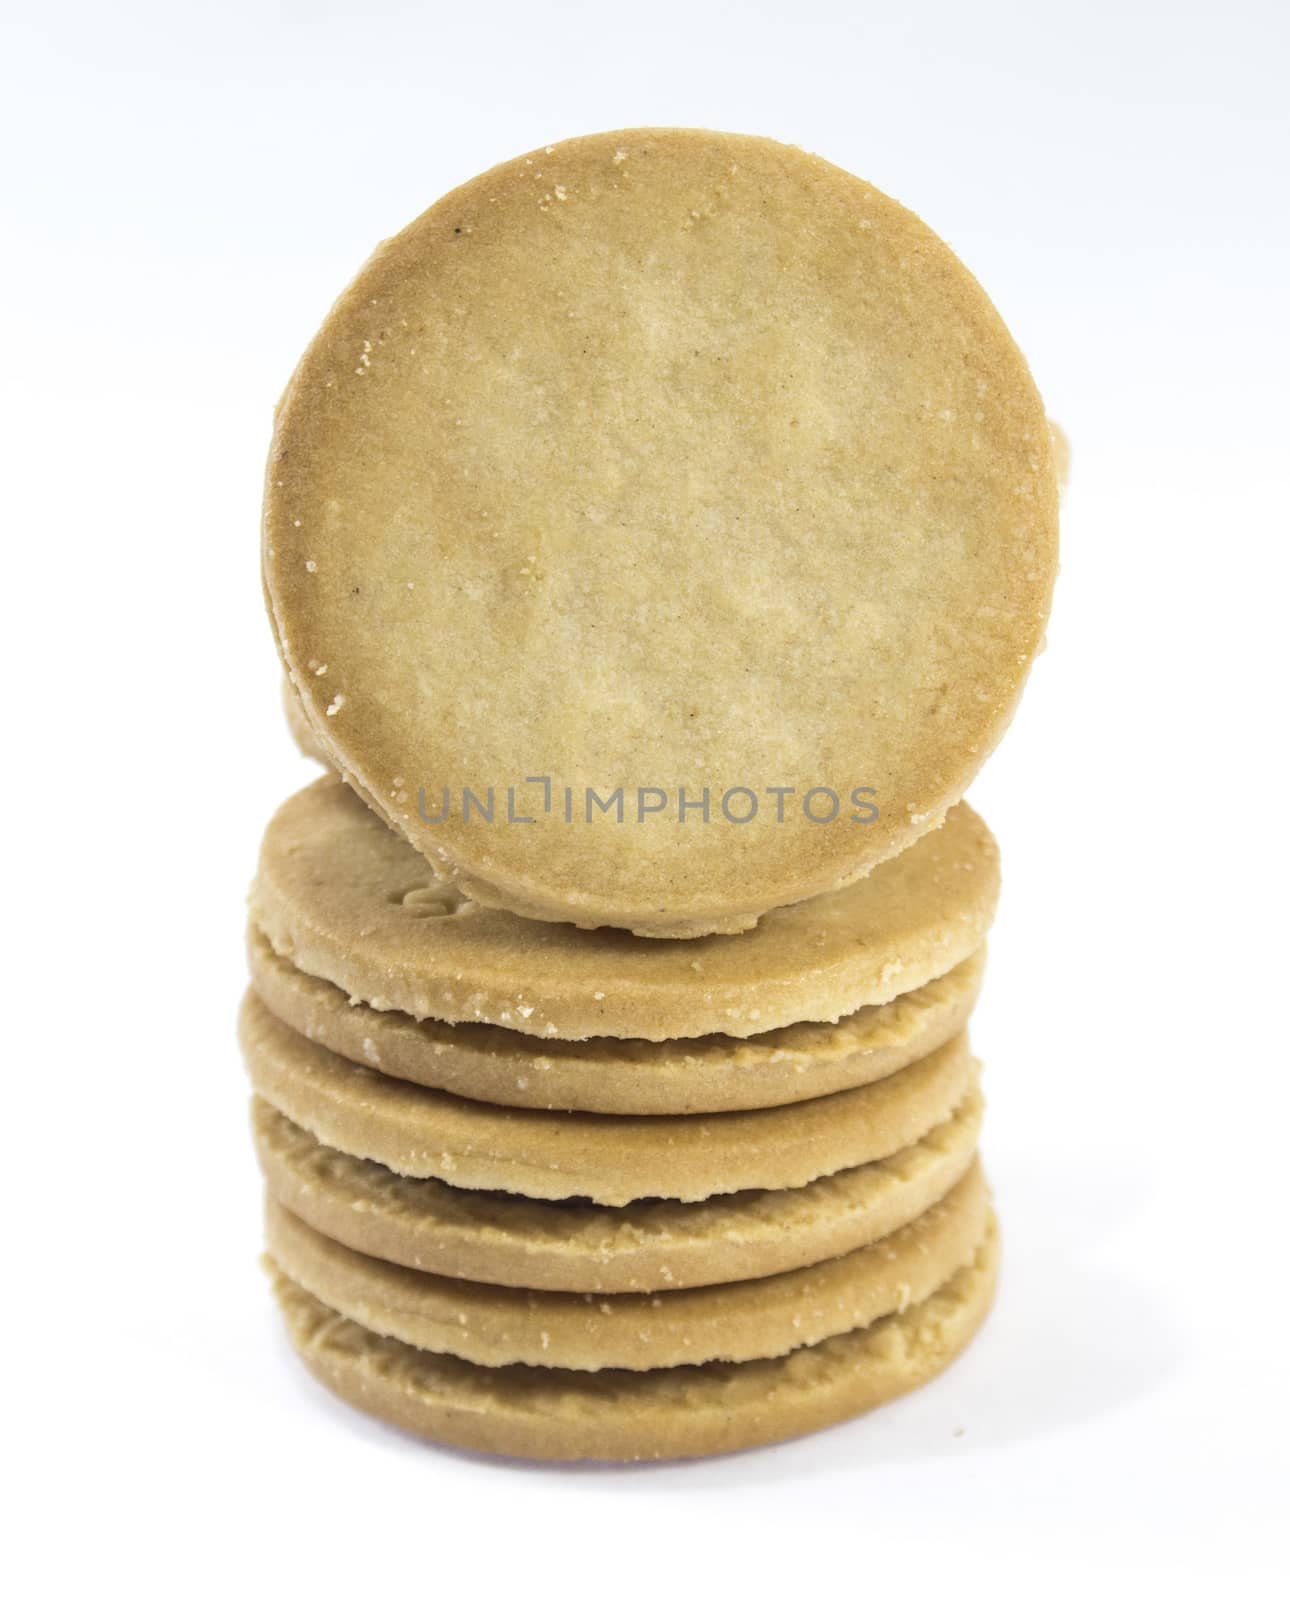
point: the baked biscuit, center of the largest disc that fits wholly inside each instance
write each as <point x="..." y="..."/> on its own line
<point x="548" y="1414"/>
<point x="622" y="1076"/>
<point x="558" y="1155"/>
<point x="745" y="1321"/>
<point x="682" y="470"/>
<point x="646" y="1245"/>
<point x="342" y="897"/>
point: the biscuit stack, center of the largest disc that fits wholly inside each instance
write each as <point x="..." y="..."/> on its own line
<point x="627" y="1110"/>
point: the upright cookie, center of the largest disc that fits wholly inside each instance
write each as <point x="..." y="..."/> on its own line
<point x="659" y="530"/>
<point x="343" y="897"/>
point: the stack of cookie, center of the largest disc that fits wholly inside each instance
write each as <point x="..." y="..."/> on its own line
<point x="657" y="537"/>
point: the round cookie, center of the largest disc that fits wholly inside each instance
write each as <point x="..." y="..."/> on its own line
<point x="342" y="897"/>
<point x="744" y="1321"/>
<point x="556" y="1155"/>
<point x="548" y="1414"/>
<point x="622" y="1076"/>
<point x="644" y="1246"/>
<point x="657" y="465"/>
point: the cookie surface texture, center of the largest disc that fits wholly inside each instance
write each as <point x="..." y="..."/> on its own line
<point x="679" y="492"/>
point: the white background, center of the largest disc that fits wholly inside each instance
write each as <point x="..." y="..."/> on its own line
<point x="188" y="188"/>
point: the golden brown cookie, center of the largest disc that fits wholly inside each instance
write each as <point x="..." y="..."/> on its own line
<point x="343" y="898"/>
<point x="548" y="1414"/>
<point x="572" y="1245"/>
<point x="622" y="1076"/>
<point x="555" y="1155"/>
<point x="744" y="1321"/>
<point x="655" y="471"/>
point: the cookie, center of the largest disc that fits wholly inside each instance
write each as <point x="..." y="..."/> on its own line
<point x="622" y="1076"/>
<point x="342" y="897"/>
<point x="744" y="1321"/>
<point x="548" y="1414"/>
<point x="678" y="493"/>
<point x="556" y="1155"/>
<point x="646" y="1245"/>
